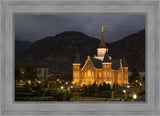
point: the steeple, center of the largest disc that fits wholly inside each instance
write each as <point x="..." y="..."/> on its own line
<point x="106" y="58"/>
<point x="121" y="66"/>
<point x="124" y="63"/>
<point x="102" y="42"/>
<point x="77" y="58"/>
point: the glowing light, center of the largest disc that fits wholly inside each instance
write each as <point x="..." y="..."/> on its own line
<point x="140" y="84"/>
<point x="57" y="79"/>
<point x="21" y="81"/>
<point x="134" y="96"/>
<point x="66" y="83"/>
<point x="71" y="86"/>
<point x="29" y="81"/>
<point x="39" y="82"/>
<point x="72" y="82"/>
<point x="127" y="86"/>
<point x="83" y="83"/>
<point x="89" y="73"/>
<point x="136" y="80"/>
<point x="124" y="91"/>
<point x="62" y="87"/>
<point x="108" y="82"/>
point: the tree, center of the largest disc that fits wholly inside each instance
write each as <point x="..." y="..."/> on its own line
<point x="104" y="86"/>
<point x="94" y="87"/>
<point x="90" y="88"/>
<point x="134" y="76"/>
<point x="143" y="80"/>
<point x="30" y="72"/>
<point x="68" y="75"/>
<point x="85" y="89"/>
<point x="108" y="86"/>
<point x="100" y="88"/>
<point x="115" y="86"/>
<point x="17" y="71"/>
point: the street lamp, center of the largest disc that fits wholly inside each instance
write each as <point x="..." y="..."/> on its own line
<point x="29" y="81"/>
<point x="125" y="94"/>
<point x="124" y="91"/>
<point x="62" y="87"/>
<point x="140" y="84"/>
<point x="134" y="97"/>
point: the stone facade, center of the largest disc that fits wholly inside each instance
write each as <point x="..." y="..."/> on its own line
<point x="101" y="68"/>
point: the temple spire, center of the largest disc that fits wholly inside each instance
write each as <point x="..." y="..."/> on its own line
<point x="102" y="28"/>
<point x="102" y="42"/>
<point x="77" y="58"/>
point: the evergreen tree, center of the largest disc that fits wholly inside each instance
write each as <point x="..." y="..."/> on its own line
<point x="90" y="88"/>
<point x="134" y="76"/>
<point x="104" y="86"/>
<point x="100" y="88"/>
<point x="30" y="72"/>
<point x="108" y="87"/>
<point x="94" y="87"/>
<point x="85" y="89"/>
<point x="114" y="86"/>
<point x="17" y="71"/>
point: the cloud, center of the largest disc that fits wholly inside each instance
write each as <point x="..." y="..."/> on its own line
<point x="117" y="26"/>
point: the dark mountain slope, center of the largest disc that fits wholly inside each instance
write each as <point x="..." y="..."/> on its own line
<point x="58" y="52"/>
<point x="20" y="46"/>
<point x="132" y="48"/>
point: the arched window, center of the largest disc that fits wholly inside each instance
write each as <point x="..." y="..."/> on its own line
<point x="89" y="73"/>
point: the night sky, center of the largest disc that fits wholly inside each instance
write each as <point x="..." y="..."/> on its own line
<point x="116" y="26"/>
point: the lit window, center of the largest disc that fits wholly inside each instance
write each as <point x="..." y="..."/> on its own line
<point x="100" y="74"/>
<point x="89" y="73"/>
<point x="92" y="74"/>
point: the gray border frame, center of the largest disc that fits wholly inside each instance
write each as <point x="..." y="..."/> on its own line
<point x="7" y="10"/>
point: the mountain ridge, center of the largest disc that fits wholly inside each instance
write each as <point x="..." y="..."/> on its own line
<point x="57" y="52"/>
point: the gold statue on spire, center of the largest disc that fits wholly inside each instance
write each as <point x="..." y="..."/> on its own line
<point x="102" y="28"/>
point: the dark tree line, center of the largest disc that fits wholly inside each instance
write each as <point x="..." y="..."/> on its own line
<point x="94" y="88"/>
<point x="30" y="72"/>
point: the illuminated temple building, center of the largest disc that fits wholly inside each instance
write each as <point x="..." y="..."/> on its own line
<point x="101" y="68"/>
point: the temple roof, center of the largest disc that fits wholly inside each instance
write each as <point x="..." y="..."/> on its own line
<point x="106" y="58"/>
<point x="98" y="63"/>
<point x="124" y="62"/>
<point x="115" y="64"/>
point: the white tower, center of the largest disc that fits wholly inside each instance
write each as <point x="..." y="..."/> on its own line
<point x="101" y="51"/>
